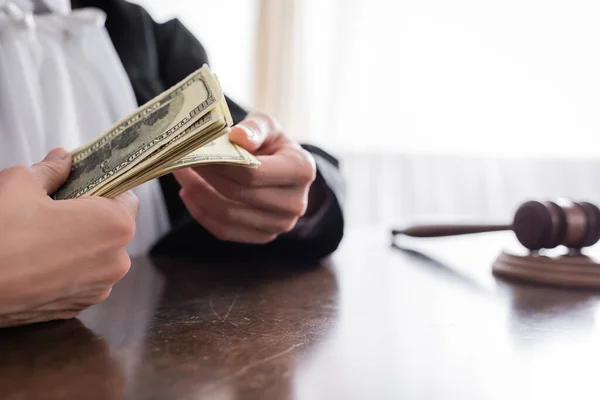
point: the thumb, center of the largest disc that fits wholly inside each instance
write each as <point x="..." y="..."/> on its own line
<point x="130" y="202"/>
<point x="249" y="134"/>
<point x="54" y="170"/>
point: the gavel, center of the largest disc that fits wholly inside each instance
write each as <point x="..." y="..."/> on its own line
<point x="537" y="225"/>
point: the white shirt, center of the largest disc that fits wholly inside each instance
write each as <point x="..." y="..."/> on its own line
<point x="63" y="84"/>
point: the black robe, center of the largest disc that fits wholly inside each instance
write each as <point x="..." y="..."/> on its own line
<point x="156" y="56"/>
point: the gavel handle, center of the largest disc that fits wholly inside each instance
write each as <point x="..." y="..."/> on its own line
<point x="448" y="230"/>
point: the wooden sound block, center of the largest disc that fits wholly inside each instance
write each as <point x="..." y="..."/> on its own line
<point x="567" y="271"/>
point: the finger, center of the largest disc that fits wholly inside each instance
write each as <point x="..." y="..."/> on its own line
<point x="53" y="170"/>
<point x="130" y="203"/>
<point x="34" y="316"/>
<point x="222" y="231"/>
<point x="287" y="168"/>
<point x="78" y="301"/>
<point x="186" y="177"/>
<point x="252" y="132"/>
<point x="285" y="200"/>
<point x="209" y="207"/>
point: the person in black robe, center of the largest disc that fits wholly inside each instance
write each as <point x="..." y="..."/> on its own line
<point x="158" y="55"/>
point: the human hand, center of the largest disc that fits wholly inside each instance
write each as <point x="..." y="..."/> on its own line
<point x="251" y="205"/>
<point x="58" y="257"/>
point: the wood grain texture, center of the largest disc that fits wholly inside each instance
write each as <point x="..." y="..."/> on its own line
<point x="423" y="318"/>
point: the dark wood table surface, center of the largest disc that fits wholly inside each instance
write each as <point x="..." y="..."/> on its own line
<point x="424" y="320"/>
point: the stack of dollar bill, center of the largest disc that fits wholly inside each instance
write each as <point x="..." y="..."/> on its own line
<point x="183" y="127"/>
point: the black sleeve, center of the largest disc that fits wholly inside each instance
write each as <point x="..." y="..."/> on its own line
<point x="179" y="54"/>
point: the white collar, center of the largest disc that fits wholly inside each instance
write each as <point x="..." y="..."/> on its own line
<point x="58" y="6"/>
<point x="36" y="6"/>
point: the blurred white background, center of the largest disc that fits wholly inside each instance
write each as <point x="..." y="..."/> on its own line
<point x="462" y="108"/>
<point x="226" y="28"/>
<point x="517" y="77"/>
<point x="513" y="77"/>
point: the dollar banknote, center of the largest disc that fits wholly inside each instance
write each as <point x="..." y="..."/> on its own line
<point x="160" y="137"/>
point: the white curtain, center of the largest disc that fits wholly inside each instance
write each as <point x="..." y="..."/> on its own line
<point x="461" y="108"/>
<point x="280" y="72"/>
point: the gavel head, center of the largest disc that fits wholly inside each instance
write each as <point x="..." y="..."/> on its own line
<point x="546" y="225"/>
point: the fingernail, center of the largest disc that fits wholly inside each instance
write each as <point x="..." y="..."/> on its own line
<point x="250" y="134"/>
<point x="58" y="154"/>
<point x="131" y="198"/>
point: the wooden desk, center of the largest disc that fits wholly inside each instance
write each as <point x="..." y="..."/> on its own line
<point x="376" y="322"/>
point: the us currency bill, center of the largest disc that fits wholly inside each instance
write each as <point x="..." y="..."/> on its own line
<point x="219" y="151"/>
<point x="160" y="137"/>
